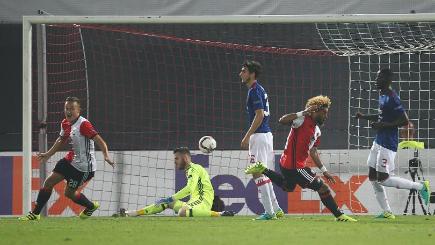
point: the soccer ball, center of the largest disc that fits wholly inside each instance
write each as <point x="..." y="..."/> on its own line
<point x="207" y="144"/>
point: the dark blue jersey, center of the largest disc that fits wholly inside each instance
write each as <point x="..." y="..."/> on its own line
<point x="391" y="109"/>
<point x="257" y="99"/>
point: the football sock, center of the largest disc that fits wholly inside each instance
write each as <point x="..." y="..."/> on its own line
<point x="42" y="199"/>
<point x="151" y="209"/>
<point x="275" y="177"/>
<point x="261" y="183"/>
<point x="330" y="203"/>
<point x="401" y="183"/>
<point x="273" y="199"/>
<point x="198" y="213"/>
<point x="82" y="200"/>
<point x="215" y="214"/>
<point x="381" y="196"/>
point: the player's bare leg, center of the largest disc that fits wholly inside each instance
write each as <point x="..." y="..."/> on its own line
<point x="43" y="196"/>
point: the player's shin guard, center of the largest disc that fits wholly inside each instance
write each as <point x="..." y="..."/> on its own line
<point x="401" y="183"/>
<point x="381" y="196"/>
<point x="82" y="200"/>
<point x="330" y="203"/>
<point x="261" y="183"/>
<point x="42" y="199"/>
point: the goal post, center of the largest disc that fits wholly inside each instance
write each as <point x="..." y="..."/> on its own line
<point x="330" y="36"/>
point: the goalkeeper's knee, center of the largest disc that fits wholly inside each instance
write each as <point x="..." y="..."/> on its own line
<point x="183" y="212"/>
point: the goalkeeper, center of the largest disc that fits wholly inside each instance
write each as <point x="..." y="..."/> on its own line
<point x="198" y="187"/>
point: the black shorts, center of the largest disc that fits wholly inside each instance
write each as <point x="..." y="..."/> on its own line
<point x="73" y="177"/>
<point x="304" y="177"/>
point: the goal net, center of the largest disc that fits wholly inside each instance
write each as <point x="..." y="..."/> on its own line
<point x="148" y="88"/>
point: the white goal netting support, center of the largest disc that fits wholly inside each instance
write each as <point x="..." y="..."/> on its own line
<point x="153" y="83"/>
<point x="408" y="49"/>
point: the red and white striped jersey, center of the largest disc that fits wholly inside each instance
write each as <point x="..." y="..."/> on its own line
<point x="303" y="135"/>
<point x="79" y="134"/>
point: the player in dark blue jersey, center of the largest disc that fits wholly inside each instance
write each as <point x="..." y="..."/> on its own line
<point x="259" y="139"/>
<point x="381" y="159"/>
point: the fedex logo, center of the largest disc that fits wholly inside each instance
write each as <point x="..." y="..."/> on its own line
<point x="291" y="202"/>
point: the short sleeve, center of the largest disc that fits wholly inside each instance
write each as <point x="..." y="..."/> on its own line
<point x="65" y="129"/>
<point x="397" y="105"/>
<point x="87" y="130"/>
<point x="62" y="132"/>
<point x="256" y="99"/>
<point x="317" y="143"/>
<point x="298" y="122"/>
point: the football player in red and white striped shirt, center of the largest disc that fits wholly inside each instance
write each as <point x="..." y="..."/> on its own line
<point x="78" y="166"/>
<point x="303" y="139"/>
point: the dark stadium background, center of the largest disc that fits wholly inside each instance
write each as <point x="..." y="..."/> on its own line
<point x="289" y="81"/>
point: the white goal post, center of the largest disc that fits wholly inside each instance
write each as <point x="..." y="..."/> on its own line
<point x="28" y="21"/>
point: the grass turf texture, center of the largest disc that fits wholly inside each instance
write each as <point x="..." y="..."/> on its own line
<point x="226" y="230"/>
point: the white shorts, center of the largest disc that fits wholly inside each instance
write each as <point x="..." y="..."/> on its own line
<point x="381" y="159"/>
<point x="261" y="149"/>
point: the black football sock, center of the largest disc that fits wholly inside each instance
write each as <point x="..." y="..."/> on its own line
<point x="330" y="203"/>
<point x="42" y="199"/>
<point x="82" y="200"/>
<point x="276" y="178"/>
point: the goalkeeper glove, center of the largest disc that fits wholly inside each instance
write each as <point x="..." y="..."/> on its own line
<point x="166" y="200"/>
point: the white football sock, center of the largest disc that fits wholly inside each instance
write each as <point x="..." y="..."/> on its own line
<point x="131" y="213"/>
<point x="273" y="199"/>
<point x="381" y="196"/>
<point x="263" y="189"/>
<point x="401" y="183"/>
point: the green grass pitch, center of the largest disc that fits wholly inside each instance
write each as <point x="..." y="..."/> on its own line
<point x="319" y="230"/>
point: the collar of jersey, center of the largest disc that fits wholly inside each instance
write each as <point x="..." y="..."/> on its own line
<point x="254" y="84"/>
<point x="73" y="122"/>
<point x="310" y="120"/>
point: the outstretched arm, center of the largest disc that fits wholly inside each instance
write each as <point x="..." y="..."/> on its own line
<point x="43" y="157"/>
<point x="370" y="117"/>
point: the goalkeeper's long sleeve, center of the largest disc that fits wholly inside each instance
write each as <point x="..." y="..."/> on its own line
<point x="192" y="182"/>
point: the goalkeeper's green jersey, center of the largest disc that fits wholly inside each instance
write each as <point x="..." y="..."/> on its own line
<point x="198" y="185"/>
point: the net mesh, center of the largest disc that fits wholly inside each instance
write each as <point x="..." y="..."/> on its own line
<point x="150" y="88"/>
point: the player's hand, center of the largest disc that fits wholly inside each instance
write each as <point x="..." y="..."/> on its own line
<point x="245" y="143"/>
<point x="109" y="161"/>
<point x="310" y="110"/>
<point x="378" y="125"/>
<point x="43" y="157"/>
<point x="329" y="177"/>
<point x="358" y="115"/>
<point x="166" y="200"/>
